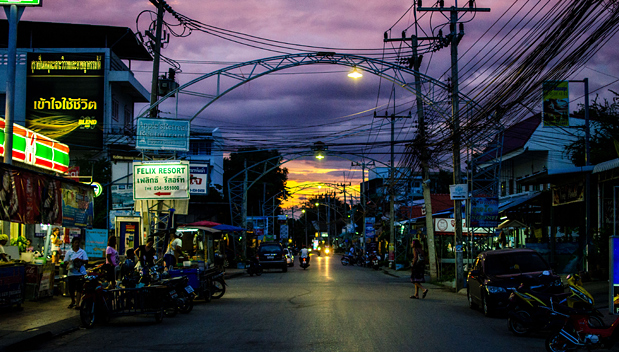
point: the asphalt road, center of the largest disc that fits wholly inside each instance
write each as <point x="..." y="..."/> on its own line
<point x="327" y="307"/>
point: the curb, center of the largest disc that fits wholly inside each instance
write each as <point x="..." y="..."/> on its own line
<point x="34" y="341"/>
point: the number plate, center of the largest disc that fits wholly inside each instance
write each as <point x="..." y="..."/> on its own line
<point x="189" y="289"/>
<point x="173" y="294"/>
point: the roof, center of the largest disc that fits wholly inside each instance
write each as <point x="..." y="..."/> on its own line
<point x="121" y="40"/>
<point x="517" y="136"/>
<point x="508" y="250"/>
<point x="554" y="175"/>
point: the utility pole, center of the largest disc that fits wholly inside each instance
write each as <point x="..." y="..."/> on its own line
<point x="363" y="193"/>
<point x="415" y="64"/>
<point x="392" y="185"/>
<point x="453" y="39"/>
<point x="157" y="57"/>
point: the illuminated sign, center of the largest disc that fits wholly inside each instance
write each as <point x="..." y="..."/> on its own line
<point x="64" y="97"/>
<point x="35" y="149"/>
<point x="21" y="2"/>
<point x="161" y="180"/>
<point x="162" y="134"/>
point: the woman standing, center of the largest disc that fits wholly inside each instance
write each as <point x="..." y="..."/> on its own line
<point x="75" y="259"/>
<point x="111" y="260"/>
<point x="418" y="269"/>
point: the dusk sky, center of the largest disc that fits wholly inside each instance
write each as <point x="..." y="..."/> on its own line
<point x="297" y="107"/>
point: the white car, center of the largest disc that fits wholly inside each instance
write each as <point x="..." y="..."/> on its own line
<point x="289" y="257"/>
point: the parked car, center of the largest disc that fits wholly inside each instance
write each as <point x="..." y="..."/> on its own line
<point x="495" y="274"/>
<point x="271" y="255"/>
<point x="289" y="256"/>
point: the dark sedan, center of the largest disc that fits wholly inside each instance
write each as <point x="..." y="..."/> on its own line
<point x="496" y="273"/>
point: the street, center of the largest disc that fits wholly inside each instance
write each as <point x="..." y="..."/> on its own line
<point x="328" y="307"/>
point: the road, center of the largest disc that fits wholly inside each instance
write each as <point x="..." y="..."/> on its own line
<point x="327" y="307"/>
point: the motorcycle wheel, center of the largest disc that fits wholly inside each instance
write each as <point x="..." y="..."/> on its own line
<point x="516" y="327"/>
<point x="87" y="313"/>
<point x="219" y="288"/>
<point x="187" y="305"/>
<point x="259" y="272"/>
<point x="170" y="312"/>
<point x="557" y="343"/>
<point x="345" y="261"/>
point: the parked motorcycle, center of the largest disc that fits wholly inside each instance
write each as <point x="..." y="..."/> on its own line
<point x="304" y="263"/>
<point x="217" y="285"/>
<point x="374" y="259"/>
<point x="348" y="260"/>
<point x="533" y="310"/>
<point x="181" y="294"/>
<point x="577" y="333"/>
<point x="254" y="267"/>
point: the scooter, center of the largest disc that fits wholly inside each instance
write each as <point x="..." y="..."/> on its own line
<point x="375" y="258"/>
<point x="533" y="310"/>
<point x="348" y="260"/>
<point x="304" y="263"/>
<point x="254" y="267"/>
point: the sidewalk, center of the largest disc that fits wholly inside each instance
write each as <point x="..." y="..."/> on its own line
<point x="42" y="320"/>
<point x="37" y="321"/>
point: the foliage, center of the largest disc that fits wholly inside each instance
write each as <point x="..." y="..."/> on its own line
<point x="604" y="139"/>
<point x="267" y="186"/>
<point x="20" y="242"/>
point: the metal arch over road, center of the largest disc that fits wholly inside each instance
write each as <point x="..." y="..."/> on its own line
<point x="231" y="77"/>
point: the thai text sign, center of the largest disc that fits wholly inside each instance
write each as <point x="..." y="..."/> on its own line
<point x="484" y="212"/>
<point x="64" y="96"/>
<point x="96" y="243"/>
<point x="162" y="134"/>
<point x="199" y="179"/>
<point x="161" y="180"/>
<point x="555" y="107"/>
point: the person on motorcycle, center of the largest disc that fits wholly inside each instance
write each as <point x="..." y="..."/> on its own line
<point x="352" y="251"/>
<point x="304" y="254"/>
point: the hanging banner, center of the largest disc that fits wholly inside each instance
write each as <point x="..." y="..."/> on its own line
<point x="51" y="202"/>
<point x="199" y="179"/>
<point x="64" y="97"/>
<point x="555" y="107"/>
<point x="369" y="227"/>
<point x="77" y="206"/>
<point x="96" y="243"/>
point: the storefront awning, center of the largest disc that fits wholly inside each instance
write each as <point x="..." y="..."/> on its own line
<point x="203" y="228"/>
<point x="507" y="203"/>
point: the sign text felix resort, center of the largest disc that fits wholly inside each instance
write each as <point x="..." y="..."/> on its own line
<point x="161" y="180"/>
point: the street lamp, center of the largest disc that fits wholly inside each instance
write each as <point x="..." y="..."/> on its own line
<point x="355" y="73"/>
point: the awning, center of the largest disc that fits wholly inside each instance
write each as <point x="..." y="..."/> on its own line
<point x="511" y="223"/>
<point x="607" y="165"/>
<point x="507" y="203"/>
<point x="203" y="228"/>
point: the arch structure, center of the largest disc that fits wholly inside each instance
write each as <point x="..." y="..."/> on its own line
<point x="216" y="84"/>
<point x="231" y="77"/>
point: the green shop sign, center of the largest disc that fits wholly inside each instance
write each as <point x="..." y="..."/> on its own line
<point x="22" y="2"/>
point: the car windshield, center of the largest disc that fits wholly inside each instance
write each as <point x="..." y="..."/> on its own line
<point x="505" y="263"/>
<point x="270" y="249"/>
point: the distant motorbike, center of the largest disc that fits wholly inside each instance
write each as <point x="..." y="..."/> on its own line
<point x="304" y="263"/>
<point x="348" y="260"/>
<point x="254" y="267"/>
<point x="374" y="259"/>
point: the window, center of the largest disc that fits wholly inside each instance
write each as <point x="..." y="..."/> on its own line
<point x="128" y="118"/>
<point x="201" y="148"/>
<point x="536" y="187"/>
<point x="518" y="188"/>
<point x="511" y="186"/>
<point x="503" y="189"/>
<point x="115" y="110"/>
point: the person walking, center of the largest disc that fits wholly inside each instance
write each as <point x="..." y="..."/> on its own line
<point x="75" y="259"/>
<point x="111" y="261"/>
<point x="418" y="270"/>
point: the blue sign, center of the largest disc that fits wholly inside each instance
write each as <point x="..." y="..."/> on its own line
<point x="96" y="243"/>
<point x="614" y="274"/>
<point x="162" y="134"/>
<point x="484" y="212"/>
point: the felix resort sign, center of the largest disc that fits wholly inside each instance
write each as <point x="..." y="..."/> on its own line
<point x="161" y="180"/>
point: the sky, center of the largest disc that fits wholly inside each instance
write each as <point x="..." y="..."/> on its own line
<point x="292" y="109"/>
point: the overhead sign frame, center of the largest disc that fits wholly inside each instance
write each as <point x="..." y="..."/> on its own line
<point x="161" y="180"/>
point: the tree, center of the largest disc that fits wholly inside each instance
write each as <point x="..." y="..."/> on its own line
<point x="604" y="139"/>
<point x="269" y="185"/>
